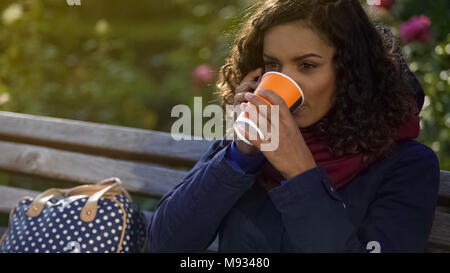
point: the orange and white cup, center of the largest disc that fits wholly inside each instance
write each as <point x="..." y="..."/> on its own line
<point x="279" y="83"/>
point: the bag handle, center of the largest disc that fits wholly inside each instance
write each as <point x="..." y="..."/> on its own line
<point x="110" y="180"/>
<point x="89" y="210"/>
<point x="39" y="202"/>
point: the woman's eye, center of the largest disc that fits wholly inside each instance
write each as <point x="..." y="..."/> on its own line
<point x="307" y="66"/>
<point x="270" y="65"/>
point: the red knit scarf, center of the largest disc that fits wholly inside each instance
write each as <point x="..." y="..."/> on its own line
<point x="340" y="170"/>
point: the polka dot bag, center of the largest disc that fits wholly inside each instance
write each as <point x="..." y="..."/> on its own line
<point x="98" y="218"/>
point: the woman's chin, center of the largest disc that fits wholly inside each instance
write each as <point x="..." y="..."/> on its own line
<point x="300" y="117"/>
<point x="303" y="120"/>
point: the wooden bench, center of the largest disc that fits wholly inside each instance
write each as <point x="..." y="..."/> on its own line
<point x="149" y="163"/>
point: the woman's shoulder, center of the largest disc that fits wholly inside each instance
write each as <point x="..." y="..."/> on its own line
<point x="412" y="160"/>
<point x="408" y="160"/>
<point x="414" y="151"/>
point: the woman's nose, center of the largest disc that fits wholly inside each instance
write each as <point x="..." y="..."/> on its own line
<point x="287" y="72"/>
<point x="291" y="74"/>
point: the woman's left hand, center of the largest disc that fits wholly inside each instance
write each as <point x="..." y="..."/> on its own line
<point x="292" y="156"/>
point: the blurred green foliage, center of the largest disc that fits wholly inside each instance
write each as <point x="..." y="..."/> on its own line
<point x="118" y="62"/>
<point x="129" y="62"/>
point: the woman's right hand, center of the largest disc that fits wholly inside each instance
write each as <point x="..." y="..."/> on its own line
<point x="248" y="84"/>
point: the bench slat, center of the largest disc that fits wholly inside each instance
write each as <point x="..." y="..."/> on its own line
<point x="11" y="197"/>
<point x="444" y="189"/>
<point x="440" y="232"/>
<point x="138" y="177"/>
<point x="117" y="141"/>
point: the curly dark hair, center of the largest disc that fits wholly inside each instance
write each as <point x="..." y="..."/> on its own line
<point x="371" y="99"/>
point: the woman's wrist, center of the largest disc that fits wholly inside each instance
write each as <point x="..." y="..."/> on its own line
<point x="246" y="149"/>
<point x="296" y="171"/>
<point x="304" y="161"/>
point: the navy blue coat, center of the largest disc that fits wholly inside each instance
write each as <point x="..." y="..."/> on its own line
<point x="390" y="206"/>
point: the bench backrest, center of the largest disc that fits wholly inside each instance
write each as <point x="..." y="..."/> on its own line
<point x="149" y="163"/>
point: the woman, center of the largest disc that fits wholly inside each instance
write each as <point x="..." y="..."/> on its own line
<point x="347" y="175"/>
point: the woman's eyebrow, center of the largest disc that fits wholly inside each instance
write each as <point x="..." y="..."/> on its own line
<point x="295" y="59"/>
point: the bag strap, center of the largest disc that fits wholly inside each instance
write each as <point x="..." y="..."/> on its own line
<point x="38" y="203"/>
<point x="89" y="210"/>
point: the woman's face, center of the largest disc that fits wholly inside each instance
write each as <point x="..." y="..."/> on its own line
<point x="295" y="50"/>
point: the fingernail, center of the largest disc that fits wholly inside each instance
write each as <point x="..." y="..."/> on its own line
<point x="241" y="128"/>
<point x="243" y="105"/>
<point x="249" y="96"/>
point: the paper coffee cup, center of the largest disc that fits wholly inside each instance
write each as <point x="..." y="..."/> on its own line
<point x="281" y="84"/>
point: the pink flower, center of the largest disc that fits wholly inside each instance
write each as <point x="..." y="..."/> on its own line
<point x="386" y="4"/>
<point x="416" y="29"/>
<point x="202" y="75"/>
